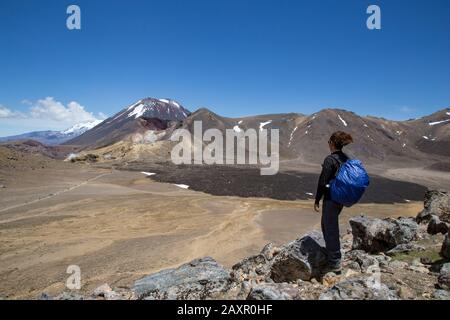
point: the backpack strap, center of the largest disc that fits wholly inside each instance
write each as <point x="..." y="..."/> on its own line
<point x="340" y="163"/>
<point x="336" y="157"/>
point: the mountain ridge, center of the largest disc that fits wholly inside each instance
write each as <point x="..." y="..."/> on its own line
<point x="54" y="137"/>
<point x="302" y="137"/>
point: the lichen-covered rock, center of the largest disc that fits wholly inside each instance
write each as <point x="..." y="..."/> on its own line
<point x="396" y="264"/>
<point x="44" y="296"/>
<point x="270" y="251"/>
<point x="69" y="296"/>
<point x="405" y="248"/>
<point x="375" y="235"/>
<point x="404" y="230"/>
<point x="362" y="259"/>
<point x="445" y="251"/>
<point x="359" y="288"/>
<point x="437" y="202"/>
<point x="419" y="269"/>
<point x="255" y="267"/>
<point x="274" y="291"/>
<point x="436" y="226"/>
<point x="251" y="268"/>
<point x="444" y="277"/>
<point x="103" y="290"/>
<point x="441" y="295"/>
<point x="423" y="216"/>
<point x="199" y="279"/>
<point x="107" y="293"/>
<point x="303" y="259"/>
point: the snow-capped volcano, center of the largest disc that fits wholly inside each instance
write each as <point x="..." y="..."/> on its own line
<point x="163" y="109"/>
<point x="149" y="114"/>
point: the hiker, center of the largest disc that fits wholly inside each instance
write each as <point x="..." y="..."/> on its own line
<point x="330" y="208"/>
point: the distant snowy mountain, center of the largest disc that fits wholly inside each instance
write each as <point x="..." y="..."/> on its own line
<point x="81" y="127"/>
<point x="54" y="137"/>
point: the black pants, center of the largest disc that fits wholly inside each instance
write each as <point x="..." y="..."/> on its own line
<point x="330" y="229"/>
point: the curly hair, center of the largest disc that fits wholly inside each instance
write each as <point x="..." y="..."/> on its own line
<point x="340" y="139"/>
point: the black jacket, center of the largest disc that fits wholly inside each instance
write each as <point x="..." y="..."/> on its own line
<point x="330" y="167"/>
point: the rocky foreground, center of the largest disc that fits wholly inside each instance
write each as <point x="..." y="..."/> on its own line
<point x="387" y="259"/>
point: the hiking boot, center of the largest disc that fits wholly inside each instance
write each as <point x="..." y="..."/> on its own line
<point x="334" y="267"/>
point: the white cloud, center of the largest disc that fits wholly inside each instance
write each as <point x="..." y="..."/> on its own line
<point x="5" y="112"/>
<point x="51" y="109"/>
<point x="47" y="114"/>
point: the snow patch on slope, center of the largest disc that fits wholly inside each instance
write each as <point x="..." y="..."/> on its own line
<point x="292" y="136"/>
<point x="438" y="122"/>
<point x="138" y="111"/>
<point x="134" y="105"/>
<point x="343" y="121"/>
<point x="182" y="186"/>
<point x="263" y="124"/>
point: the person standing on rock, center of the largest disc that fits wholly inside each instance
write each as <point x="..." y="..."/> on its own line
<point x="331" y="209"/>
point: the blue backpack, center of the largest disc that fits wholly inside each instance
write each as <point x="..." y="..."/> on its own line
<point x="350" y="183"/>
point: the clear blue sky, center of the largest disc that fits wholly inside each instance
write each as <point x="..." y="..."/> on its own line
<point x="236" y="57"/>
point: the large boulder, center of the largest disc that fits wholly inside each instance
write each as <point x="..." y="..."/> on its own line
<point x="359" y="288"/>
<point x="304" y="258"/>
<point x="437" y="202"/>
<point x="444" y="277"/>
<point x="445" y="251"/>
<point x="199" y="279"/>
<point x="436" y="226"/>
<point x="364" y="262"/>
<point x="274" y="291"/>
<point x="376" y="235"/>
<point x="256" y="267"/>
